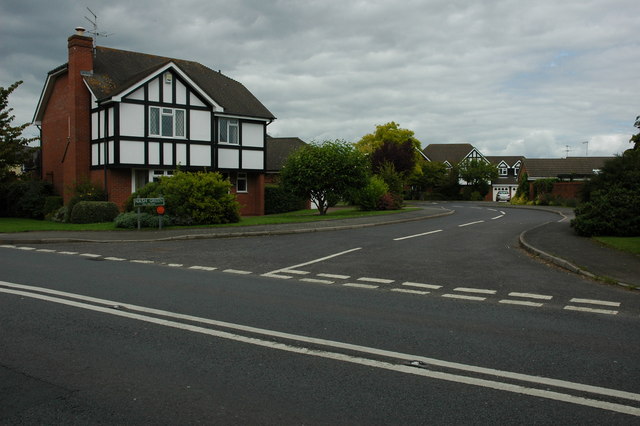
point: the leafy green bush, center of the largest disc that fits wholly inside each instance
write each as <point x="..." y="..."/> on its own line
<point x="24" y="198"/>
<point x="129" y="220"/>
<point x="198" y="198"/>
<point x="278" y="200"/>
<point x="84" y="191"/>
<point x="612" y="199"/>
<point x="94" y="212"/>
<point x="368" y="198"/>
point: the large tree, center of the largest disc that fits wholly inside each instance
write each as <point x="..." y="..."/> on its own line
<point x="635" y="139"/>
<point x="478" y="174"/>
<point x="14" y="150"/>
<point x="391" y="133"/>
<point x="325" y="172"/>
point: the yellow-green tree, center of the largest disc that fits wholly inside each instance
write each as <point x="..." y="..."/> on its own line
<point x="390" y="132"/>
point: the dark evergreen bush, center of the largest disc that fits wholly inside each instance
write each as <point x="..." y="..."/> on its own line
<point x="613" y="199"/>
<point x="94" y="212"/>
<point x="279" y="200"/>
<point x="24" y="198"/>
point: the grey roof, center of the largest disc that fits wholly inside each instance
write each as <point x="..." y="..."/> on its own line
<point x="511" y="160"/>
<point x="537" y="168"/>
<point x="116" y="70"/>
<point x="279" y="149"/>
<point x="451" y="152"/>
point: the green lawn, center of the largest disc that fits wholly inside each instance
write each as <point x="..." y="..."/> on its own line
<point x="628" y="244"/>
<point x="24" y="225"/>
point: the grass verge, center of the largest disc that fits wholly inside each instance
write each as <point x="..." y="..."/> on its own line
<point x="627" y="244"/>
<point x="8" y="225"/>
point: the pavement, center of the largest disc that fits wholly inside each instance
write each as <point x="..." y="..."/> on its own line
<point x="553" y="241"/>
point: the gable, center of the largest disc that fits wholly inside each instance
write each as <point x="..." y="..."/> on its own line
<point x="119" y="73"/>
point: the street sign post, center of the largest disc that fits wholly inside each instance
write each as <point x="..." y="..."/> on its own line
<point x="149" y="202"/>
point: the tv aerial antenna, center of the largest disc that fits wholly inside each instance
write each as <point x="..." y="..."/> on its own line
<point x="95" y="32"/>
<point x="586" y="143"/>
<point x="567" y="149"/>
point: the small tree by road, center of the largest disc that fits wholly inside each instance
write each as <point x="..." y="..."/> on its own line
<point x="478" y="174"/>
<point x="325" y="172"/>
<point x="14" y="149"/>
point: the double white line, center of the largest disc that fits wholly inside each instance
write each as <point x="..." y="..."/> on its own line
<point x="397" y="361"/>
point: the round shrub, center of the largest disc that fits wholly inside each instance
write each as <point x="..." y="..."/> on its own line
<point x="368" y="198"/>
<point x="279" y="200"/>
<point x="94" y="212"/>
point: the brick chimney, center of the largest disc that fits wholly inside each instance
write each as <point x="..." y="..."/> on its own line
<point x="76" y="162"/>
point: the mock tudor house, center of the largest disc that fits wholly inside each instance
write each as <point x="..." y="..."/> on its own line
<point x="508" y="170"/>
<point x="122" y="119"/>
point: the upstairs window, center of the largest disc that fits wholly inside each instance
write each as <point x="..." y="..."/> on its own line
<point x="228" y="131"/>
<point x="503" y="171"/>
<point x="166" y="122"/>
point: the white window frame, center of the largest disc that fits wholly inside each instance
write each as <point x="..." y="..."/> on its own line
<point x="242" y="177"/>
<point x="503" y="171"/>
<point x="174" y="113"/>
<point x="225" y="125"/>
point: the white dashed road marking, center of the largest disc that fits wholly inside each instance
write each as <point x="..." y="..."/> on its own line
<point x="236" y="271"/>
<point x="316" y="281"/>
<point x="595" y="302"/>
<point x="531" y="296"/>
<point x="406" y="290"/>
<point x="464" y="297"/>
<point x="203" y="268"/>
<point x="470" y="223"/>
<point x="417" y="235"/>
<point x="420" y="285"/>
<point x="375" y="280"/>
<point x="358" y="285"/>
<point x="474" y="290"/>
<point x="334" y="276"/>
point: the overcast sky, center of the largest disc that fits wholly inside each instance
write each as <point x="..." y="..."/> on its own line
<point x="510" y="77"/>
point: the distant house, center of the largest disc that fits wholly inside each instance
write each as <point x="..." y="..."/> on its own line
<point x="508" y="171"/>
<point x="571" y="172"/>
<point x="452" y="154"/>
<point x="278" y="150"/>
<point x="123" y="119"/>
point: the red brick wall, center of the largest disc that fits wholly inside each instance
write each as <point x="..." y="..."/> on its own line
<point x="567" y="190"/>
<point x="55" y="128"/>
<point x="66" y="124"/>
<point x="118" y="184"/>
<point x="252" y="202"/>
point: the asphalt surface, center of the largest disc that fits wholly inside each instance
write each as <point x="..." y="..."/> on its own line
<point x="554" y="241"/>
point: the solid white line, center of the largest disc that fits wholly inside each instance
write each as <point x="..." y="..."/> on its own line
<point x="590" y="310"/>
<point x="470" y="223"/>
<point x="203" y="268"/>
<point x="595" y="302"/>
<point x="475" y="290"/>
<point x="462" y="296"/>
<point x="368" y="286"/>
<point x="521" y="302"/>
<point x="236" y="271"/>
<point x="417" y="235"/>
<point x="316" y="281"/>
<point x="406" y="290"/>
<point x="117" y="259"/>
<point x="336" y="277"/>
<point x="375" y="280"/>
<point x="339" y="345"/>
<point x="314" y="261"/>
<point x="420" y="285"/>
<point x="531" y="296"/>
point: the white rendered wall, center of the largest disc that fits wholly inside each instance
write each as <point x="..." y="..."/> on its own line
<point x="253" y="134"/>
<point x="200" y="155"/>
<point x="131" y="152"/>
<point x="252" y="159"/>
<point x="131" y="120"/>
<point x="200" y="123"/>
<point x="228" y="158"/>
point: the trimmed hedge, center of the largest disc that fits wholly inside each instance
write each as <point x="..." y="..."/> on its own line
<point x="94" y="212"/>
<point x="279" y="200"/>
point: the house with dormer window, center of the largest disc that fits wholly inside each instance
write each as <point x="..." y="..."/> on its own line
<point x="508" y="171"/>
<point x="122" y="119"/>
